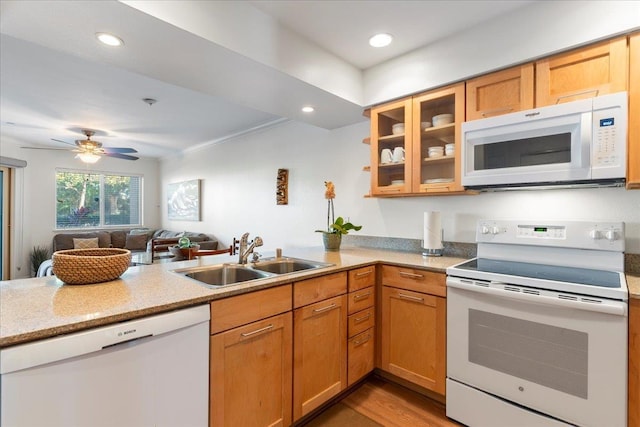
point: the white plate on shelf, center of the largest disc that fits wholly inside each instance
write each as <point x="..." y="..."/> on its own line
<point x="397" y="182"/>
<point x="438" y="180"/>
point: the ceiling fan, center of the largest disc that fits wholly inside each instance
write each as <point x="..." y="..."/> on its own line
<point x="90" y="151"/>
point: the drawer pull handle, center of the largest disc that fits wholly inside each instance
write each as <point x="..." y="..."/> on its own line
<point x="411" y="297"/>
<point x="364" y="273"/>
<point x="320" y="310"/>
<point x="257" y="331"/>
<point x="411" y="275"/>
<point x="362" y="341"/>
<point x="363" y="318"/>
<point x="362" y="296"/>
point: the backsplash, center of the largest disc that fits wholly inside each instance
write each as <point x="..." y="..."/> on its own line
<point x="453" y="249"/>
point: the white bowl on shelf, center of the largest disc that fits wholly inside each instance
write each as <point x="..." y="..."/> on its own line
<point x="397" y="129"/>
<point x="442" y="119"/>
<point x="435" y="151"/>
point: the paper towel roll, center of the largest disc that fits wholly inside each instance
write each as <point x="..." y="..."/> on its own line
<point x="432" y="231"/>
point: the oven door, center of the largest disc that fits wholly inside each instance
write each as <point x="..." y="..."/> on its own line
<point x="563" y="358"/>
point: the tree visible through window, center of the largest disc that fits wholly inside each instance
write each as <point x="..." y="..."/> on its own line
<point x="85" y="200"/>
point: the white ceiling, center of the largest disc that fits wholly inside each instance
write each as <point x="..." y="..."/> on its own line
<point x="55" y="79"/>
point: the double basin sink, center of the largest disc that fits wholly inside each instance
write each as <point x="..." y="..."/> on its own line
<point x="229" y="274"/>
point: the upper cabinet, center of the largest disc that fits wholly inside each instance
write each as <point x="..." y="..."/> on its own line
<point x="633" y="152"/>
<point x="501" y="92"/>
<point x="405" y="156"/>
<point x="391" y="148"/>
<point x="591" y="71"/>
<point x="415" y="144"/>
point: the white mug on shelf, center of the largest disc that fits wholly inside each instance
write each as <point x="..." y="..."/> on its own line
<point x="386" y="156"/>
<point x="398" y="154"/>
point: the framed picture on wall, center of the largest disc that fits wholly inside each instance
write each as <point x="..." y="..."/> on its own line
<point x="183" y="200"/>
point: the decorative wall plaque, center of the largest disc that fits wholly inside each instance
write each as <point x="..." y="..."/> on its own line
<point x="282" y="187"/>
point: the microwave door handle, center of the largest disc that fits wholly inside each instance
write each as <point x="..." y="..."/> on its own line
<point x="612" y="307"/>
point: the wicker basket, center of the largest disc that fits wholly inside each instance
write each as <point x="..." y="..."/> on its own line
<point x="85" y="266"/>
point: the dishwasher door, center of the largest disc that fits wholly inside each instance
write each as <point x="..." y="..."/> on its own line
<point x="148" y="372"/>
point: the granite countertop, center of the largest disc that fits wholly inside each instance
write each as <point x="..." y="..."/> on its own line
<point x="39" y="308"/>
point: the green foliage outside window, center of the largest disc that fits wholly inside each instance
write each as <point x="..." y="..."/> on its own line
<point x="89" y="200"/>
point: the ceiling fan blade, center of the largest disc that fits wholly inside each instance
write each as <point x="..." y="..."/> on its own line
<point x="121" y="156"/>
<point x="119" y="150"/>
<point x="46" y="148"/>
<point x="64" y="142"/>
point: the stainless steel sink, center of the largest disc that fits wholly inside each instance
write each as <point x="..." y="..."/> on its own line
<point x="230" y="274"/>
<point x="223" y="275"/>
<point x="287" y="265"/>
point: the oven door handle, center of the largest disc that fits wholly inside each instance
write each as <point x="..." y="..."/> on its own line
<point x="609" y="307"/>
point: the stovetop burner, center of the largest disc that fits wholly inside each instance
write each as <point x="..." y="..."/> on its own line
<point x="583" y="276"/>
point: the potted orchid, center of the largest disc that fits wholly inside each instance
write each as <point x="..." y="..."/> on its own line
<point x="336" y="227"/>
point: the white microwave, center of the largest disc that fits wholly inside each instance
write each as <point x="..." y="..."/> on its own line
<point x="573" y="144"/>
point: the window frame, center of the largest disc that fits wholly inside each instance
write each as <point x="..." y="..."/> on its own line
<point x="102" y="225"/>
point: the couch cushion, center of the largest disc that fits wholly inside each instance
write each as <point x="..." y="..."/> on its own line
<point x="63" y="241"/>
<point x="118" y="238"/>
<point x="136" y="242"/>
<point x="85" y="243"/>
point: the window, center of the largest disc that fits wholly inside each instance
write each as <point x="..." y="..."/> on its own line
<point x="91" y="200"/>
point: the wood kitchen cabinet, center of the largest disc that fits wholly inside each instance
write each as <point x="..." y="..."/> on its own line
<point x="594" y="70"/>
<point x="502" y="92"/>
<point x="251" y="359"/>
<point x="389" y="178"/>
<point x="320" y="341"/>
<point x="418" y="174"/>
<point x="413" y="322"/>
<point x="361" y="323"/>
<point x="633" y="152"/>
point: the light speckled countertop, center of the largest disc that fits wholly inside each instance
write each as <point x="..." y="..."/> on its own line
<point x="38" y="308"/>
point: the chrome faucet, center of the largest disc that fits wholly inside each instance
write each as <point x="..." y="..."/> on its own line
<point x="246" y="248"/>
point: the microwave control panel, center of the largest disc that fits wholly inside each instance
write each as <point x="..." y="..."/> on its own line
<point x="609" y="135"/>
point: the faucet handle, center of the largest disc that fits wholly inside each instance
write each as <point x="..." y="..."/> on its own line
<point x="256" y="257"/>
<point x="257" y="241"/>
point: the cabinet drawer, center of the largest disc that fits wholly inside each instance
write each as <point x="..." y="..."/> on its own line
<point x="414" y="280"/>
<point x="362" y="278"/>
<point x="361" y="321"/>
<point x="361" y="354"/>
<point x="317" y="289"/>
<point x="242" y="309"/>
<point x="361" y="299"/>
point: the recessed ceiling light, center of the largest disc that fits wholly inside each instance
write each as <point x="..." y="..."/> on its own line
<point x="109" y="39"/>
<point x="381" y="40"/>
<point x="308" y="109"/>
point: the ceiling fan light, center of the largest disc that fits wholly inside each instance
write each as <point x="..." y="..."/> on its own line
<point x="88" y="157"/>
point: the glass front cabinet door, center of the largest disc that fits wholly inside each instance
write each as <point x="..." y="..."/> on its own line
<point x="391" y="133"/>
<point x="437" y="121"/>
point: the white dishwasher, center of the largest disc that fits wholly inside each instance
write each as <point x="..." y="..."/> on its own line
<point x="151" y="372"/>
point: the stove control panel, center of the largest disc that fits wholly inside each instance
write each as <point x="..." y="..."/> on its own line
<point x="607" y="236"/>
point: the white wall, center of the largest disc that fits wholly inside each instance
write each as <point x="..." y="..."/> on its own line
<point x="37" y="183"/>
<point x="537" y="30"/>
<point x="239" y="184"/>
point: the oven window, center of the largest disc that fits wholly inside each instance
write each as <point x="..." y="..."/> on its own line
<point x="546" y="355"/>
<point x="541" y="150"/>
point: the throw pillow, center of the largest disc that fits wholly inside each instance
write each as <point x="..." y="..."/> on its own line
<point x="85" y="243"/>
<point x="136" y="242"/>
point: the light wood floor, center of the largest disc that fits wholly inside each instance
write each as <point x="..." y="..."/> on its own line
<point x="388" y="405"/>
